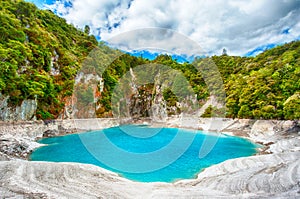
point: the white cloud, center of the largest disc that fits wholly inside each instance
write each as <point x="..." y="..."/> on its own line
<point x="240" y="26"/>
<point x="156" y="40"/>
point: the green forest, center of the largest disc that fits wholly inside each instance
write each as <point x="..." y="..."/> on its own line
<point x="33" y="41"/>
<point x="41" y="54"/>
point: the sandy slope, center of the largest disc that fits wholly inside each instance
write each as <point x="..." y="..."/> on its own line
<point x="275" y="175"/>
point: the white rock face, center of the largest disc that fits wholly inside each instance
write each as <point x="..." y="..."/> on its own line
<point x="270" y="130"/>
<point x="26" y="111"/>
<point x="257" y="176"/>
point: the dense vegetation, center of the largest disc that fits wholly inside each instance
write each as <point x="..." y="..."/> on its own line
<point x="266" y="86"/>
<point x="41" y="55"/>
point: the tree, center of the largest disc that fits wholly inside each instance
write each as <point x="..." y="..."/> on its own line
<point x="87" y="29"/>
<point x="292" y="107"/>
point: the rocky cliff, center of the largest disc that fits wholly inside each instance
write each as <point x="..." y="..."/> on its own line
<point x="26" y="111"/>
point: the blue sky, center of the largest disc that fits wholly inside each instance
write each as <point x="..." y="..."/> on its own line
<point x="151" y="56"/>
<point x="244" y="28"/>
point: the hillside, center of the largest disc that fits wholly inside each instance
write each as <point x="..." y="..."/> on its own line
<point x="263" y="87"/>
<point x="42" y="55"/>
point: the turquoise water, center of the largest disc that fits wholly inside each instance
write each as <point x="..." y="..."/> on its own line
<point x="144" y="154"/>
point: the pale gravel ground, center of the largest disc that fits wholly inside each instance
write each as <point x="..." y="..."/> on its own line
<point x="275" y="175"/>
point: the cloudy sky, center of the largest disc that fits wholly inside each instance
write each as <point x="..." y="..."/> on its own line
<point x="243" y="27"/>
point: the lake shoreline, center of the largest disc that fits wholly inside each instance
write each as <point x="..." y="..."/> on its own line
<point x="280" y="139"/>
